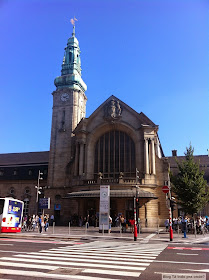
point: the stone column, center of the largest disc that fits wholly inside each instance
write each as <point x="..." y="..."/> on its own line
<point x="81" y="159"/>
<point x="153" y="157"/>
<point x="76" y="160"/>
<point x="146" y="158"/>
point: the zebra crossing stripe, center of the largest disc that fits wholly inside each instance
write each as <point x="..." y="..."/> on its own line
<point x="84" y="260"/>
<point x="77" y="255"/>
<point x="16" y="264"/>
<point x="109" y="252"/>
<point x="77" y="264"/>
<point x="38" y="274"/>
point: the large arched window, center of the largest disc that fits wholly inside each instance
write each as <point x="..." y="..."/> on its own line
<point x="115" y="155"/>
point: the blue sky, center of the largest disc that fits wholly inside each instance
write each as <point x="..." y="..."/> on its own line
<point x="153" y="55"/>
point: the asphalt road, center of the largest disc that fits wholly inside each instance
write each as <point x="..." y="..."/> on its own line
<point x="100" y="260"/>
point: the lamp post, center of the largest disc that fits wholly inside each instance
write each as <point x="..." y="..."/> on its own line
<point x="38" y="188"/>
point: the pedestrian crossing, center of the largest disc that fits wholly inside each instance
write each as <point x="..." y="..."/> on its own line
<point x="98" y="260"/>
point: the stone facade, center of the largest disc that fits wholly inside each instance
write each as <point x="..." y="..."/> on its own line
<point x="113" y="146"/>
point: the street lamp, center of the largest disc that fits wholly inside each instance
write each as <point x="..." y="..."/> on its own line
<point x="38" y="188"/>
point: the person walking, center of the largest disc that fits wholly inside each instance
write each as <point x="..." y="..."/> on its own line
<point x="184" y="226"/>
<point x="40" y="224"/>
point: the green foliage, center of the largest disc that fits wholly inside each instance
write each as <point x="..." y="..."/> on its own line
<point x="189" y="185"/>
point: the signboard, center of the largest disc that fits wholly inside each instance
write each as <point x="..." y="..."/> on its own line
<point x="44" y="203"/>
<point x="14" y="213"/>
<point x="165" y="189"/>
<point x="104" y="210"/>
<point x="57" y="207"/>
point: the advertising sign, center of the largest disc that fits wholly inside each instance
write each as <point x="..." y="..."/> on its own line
<point x="104" y="208"/>
<point x="44" y="203"/>
<point x="14" y="213"/>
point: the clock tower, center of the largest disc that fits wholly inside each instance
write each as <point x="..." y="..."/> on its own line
<point x="69" y="107"/>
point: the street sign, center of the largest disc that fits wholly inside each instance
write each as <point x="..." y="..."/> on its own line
<point x="44" y="203"/>
<point x="165" y="189"/>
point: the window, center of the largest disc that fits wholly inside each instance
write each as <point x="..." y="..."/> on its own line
<point x="1" y="172"/>
<point x="57" y="197"/>
<point x="15" y="172"/>
<point x="27" y="191"/>
<point x="26" y="207"/>
<point x="115" y="153"/>
<point x="12" y="191"/>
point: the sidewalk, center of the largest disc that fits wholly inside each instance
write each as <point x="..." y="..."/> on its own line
<point x="92" y="233"/>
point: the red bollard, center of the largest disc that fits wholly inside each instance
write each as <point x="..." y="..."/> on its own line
<point x="135" y="232"/>
<point x="171" y="234"/>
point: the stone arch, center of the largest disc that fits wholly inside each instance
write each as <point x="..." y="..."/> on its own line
<point x="93" y="137"/>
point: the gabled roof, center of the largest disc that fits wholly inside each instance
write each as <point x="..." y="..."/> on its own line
<point x="141" y="116"/>
<point x="24" y="158"/>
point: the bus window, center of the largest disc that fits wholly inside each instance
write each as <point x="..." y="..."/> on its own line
<point x="1" y="206"/>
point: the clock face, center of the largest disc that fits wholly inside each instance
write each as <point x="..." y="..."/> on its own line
<point x="65" y="97"/>
<point x="104" y="194"/>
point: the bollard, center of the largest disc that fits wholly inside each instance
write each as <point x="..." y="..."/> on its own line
<point x="158" y="231"/>
<point x="178" y="230"/>
<point x="120" y="230"/>
<point x="69" y="228"/>
<point x="102" y="229"/>
<point x="53" y="227"/>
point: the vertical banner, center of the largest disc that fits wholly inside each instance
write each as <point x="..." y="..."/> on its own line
<point x="104" y="210"/>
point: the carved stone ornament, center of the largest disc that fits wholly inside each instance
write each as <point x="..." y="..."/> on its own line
<point x="112" y="111"/>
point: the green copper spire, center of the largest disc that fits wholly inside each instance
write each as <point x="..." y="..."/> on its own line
<point x="71" y="66"/>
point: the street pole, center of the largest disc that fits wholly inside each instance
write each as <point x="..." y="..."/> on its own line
<point x="170" y="214"/>
<point x="38" y="188"/>
<point x="135" y="226"/>
<point x="135" y="206"/>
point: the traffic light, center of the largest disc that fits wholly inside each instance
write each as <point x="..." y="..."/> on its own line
<point x="172" y="204"/>
<point x="40" y="175"/>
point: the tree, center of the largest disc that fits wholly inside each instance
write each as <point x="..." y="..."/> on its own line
<point x="189" y="185"/>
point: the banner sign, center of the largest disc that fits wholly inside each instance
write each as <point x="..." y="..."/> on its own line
<point x="104" y="207"/>
<point x="14" y="213"/>
<point x="44" y="203"/>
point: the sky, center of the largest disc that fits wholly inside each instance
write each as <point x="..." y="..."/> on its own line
<point x="152" y="55"/>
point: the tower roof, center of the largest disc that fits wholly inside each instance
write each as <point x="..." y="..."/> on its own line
<point x="71" y="66"/>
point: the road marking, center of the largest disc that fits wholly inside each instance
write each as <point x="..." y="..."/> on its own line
<point x="141" y="258"/>
<point x="146" y="256"/>
<point x="47" y="275"/>
<point x="81" y="264"/>
<point x="48" y="267"/>
<point x="84" y="260"/>
<point x="184" y="254"/>
<point x="196" y="263"/>
<point x="109" y="252"/>
<point x="189" y="248"/>
<point x="6" y="244"/>
<point x="96" y="259"/>
<point x="199" y="270"/>
<point x="113" y="272"/>
<point x="37" y="241"/>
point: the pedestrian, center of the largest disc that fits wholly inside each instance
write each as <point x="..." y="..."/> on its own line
<point x="110" y="223"/>
<point x="166" y="225"/>
<point x="52" y="219"/>
<point x="132" y="222"/>
<point x="40" y="224"/>
<point x="184" y="225"/>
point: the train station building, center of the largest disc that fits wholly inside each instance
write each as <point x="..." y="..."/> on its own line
<point x="114" y="146"/>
